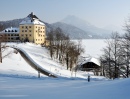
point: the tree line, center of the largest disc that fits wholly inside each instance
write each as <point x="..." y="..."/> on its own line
<point x="115" y="60"/>
<point x="63" y="49"/>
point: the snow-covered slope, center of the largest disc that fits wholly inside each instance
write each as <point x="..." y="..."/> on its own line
<point x="18" y="80"/>
<point x="40" y="55"/>
<point x="14" y="64"/>
<point x="20" y="88"/>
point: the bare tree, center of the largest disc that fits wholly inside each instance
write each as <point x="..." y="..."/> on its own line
<point x="63" y="49"/>
<point x="112" y="56"/>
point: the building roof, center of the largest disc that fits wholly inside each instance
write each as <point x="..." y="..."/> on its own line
<point x="93" y="60"/>
<point x="32" y="19"/>
<point x="11" y="30"/>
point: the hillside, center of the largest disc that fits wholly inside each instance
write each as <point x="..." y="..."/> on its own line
<point x="19" y="80"/>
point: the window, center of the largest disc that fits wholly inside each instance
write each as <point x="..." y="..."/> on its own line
<point x="29" y="26"/>
<point x="26" y="35"/>
<point x="22" y="34"/>
<point x="41" y="27"/>
<point x="29" y="30"/>
<point x="22" y="30"/>
<point x="8" y="38"/>
<point x="26" y="27"/>
<point x="36" y="39"/>
<point x="11" y="34"/>
<point x="36" y="26"/>
<point x="36" y="31"/>
<point x="22" y="26"/>
<point x="25" y="30"/>
<point x="30" y="34"/>
<point x="8" y="34"/>
<point x="41" y="39"/>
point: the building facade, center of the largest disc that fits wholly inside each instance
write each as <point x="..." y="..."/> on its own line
<point x="31" y="29"/>
<point x="10" y="35"/>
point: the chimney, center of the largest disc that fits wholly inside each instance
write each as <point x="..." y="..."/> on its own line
<point x="32" y="13"/>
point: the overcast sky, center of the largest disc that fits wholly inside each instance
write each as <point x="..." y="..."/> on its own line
<point x="100" y="13"/>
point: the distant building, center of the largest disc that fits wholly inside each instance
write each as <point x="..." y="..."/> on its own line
<point x="31" y="29"/>
<point x="10" y="35"/>
<point x="91" y="64"/>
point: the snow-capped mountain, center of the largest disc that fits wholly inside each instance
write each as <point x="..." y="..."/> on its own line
<point x="86" y="26"/>
<point x="72" y="31"/>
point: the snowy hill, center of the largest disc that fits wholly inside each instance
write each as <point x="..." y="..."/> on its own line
<point x="19" y="80"/>
<point x="40" y="56"/>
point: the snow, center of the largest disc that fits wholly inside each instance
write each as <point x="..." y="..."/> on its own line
<point x="91" y="59"/>
<point x="27" y="20"/>
<point x="44" y="61"/>
<point x="15" y="30"/>
<point x="19" y="80"/>
<point x="93" y="47"/>
<point x="63" y="89"/>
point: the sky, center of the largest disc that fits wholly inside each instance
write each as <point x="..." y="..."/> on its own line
<point x="101" y="13"/>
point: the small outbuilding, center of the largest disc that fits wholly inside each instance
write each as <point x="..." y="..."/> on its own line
<point x="91" y="64"/>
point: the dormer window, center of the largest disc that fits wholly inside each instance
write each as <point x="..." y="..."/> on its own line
<point x="12" y="30"/>
<point x="15" y="30"/>
<point x="8" y="30"/>
<point x="5" y="30"/>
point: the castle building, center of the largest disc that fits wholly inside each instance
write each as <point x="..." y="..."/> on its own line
<point x="31" y="29"/>
<point x="10" y="35"/>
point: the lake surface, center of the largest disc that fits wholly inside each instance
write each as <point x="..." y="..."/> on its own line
<point x="93" y="47"/>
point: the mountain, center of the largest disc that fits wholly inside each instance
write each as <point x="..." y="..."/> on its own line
<point x="72" y="26"/>
<point x="74" y="32"/>
<point x="10" y="23"/>
<point x="86" y="26"/>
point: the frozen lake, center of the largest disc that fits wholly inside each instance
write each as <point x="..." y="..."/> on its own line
<point x="93" y="47"/>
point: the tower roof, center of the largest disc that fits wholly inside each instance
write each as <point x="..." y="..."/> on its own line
<point x="32" y="19"/>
